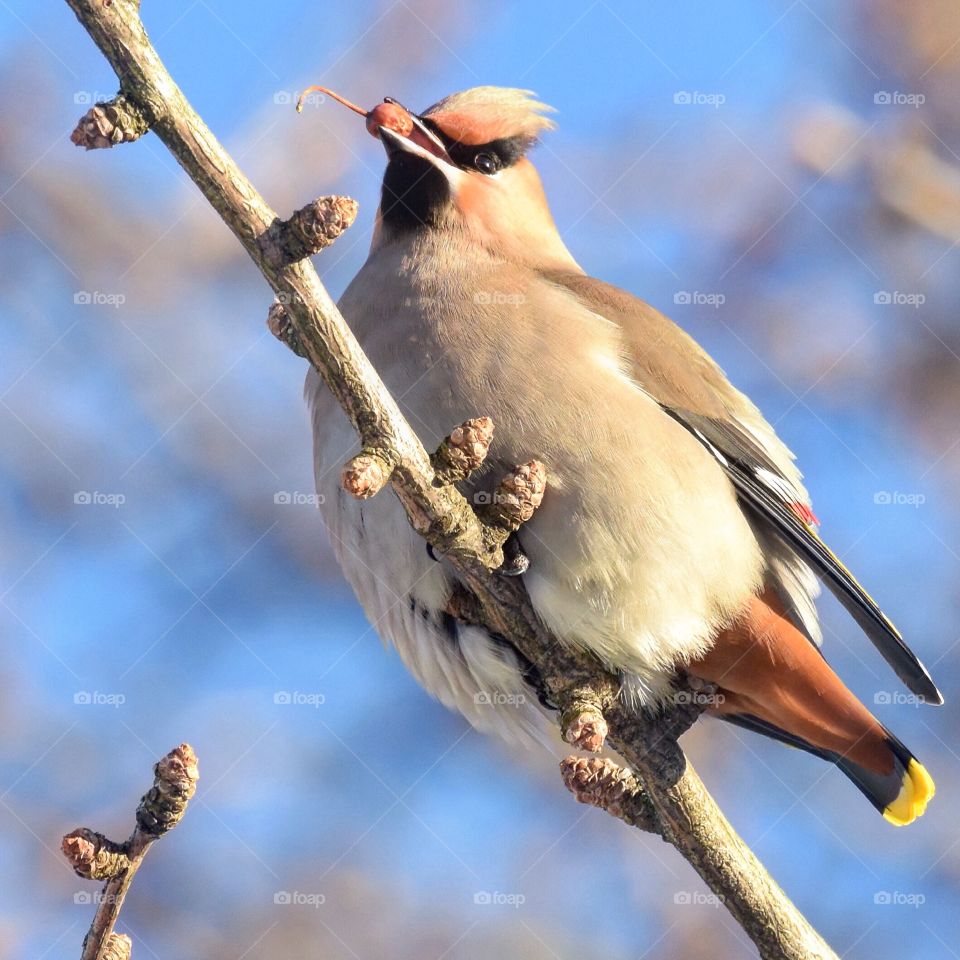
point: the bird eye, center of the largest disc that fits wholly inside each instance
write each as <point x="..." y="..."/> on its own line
<point x="487" y="163"/>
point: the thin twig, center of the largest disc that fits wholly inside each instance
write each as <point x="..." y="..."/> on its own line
<point x="685" y="813"/>
<point x="94" y="857"/>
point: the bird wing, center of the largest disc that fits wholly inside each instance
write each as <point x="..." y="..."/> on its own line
<point x="689" y="386"/>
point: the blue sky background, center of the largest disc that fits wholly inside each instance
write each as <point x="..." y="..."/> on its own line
<point x="199" y="598"/>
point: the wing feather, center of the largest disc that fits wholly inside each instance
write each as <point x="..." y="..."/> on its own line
<point x="673" y="369"/>
<point x="762" y="493"/>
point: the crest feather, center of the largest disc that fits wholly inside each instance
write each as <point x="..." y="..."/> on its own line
<point x="483" y="114"/>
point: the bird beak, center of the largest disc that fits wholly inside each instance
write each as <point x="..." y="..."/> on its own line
<point x="420" y="142"/>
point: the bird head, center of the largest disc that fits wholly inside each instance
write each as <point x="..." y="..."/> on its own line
<point x="462" y="166"/>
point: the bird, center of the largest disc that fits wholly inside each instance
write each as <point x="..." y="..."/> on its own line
<point x="675" y="538"/>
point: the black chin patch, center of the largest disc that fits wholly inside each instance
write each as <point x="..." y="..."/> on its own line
<point x="414" y="191"/>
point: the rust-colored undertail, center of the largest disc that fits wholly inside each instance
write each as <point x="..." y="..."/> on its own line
<point x="775" y="682"/>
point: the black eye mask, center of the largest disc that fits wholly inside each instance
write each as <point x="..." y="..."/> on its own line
<point x="505" y="151"/>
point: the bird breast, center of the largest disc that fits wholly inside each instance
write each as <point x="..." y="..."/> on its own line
<point x="640" y="551"/>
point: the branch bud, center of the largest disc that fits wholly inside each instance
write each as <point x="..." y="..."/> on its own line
<point x="175" y="782"/>
<point x="118" y="947"/>
<point x="278" y="323"/>
<point x="601" y="783"/>
<point x="107" y="124"/>
<point x="365" y="475"/>
<point x="93" y="856"/>
<point x="309" y="230"/>
<point x="463" y="451"/>
<point x="518" y="496"/>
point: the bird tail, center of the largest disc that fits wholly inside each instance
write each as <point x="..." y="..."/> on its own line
<point x="901" y="795"/>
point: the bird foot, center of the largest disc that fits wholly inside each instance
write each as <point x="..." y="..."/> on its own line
<point x="515" y="561"/>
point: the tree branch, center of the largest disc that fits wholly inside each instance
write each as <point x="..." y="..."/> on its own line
<point x="94" y="857"/>
<point x="675" y="801"/>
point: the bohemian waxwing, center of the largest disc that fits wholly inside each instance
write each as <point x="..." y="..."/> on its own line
<point x="675" y="534"/>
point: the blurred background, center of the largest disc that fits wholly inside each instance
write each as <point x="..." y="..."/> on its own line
<point x="782" y="178"/>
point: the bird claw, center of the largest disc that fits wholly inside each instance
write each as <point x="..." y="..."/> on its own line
<point x="515" y="561"/>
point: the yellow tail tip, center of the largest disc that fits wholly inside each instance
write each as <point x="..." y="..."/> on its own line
<point x="911" y="802"/>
